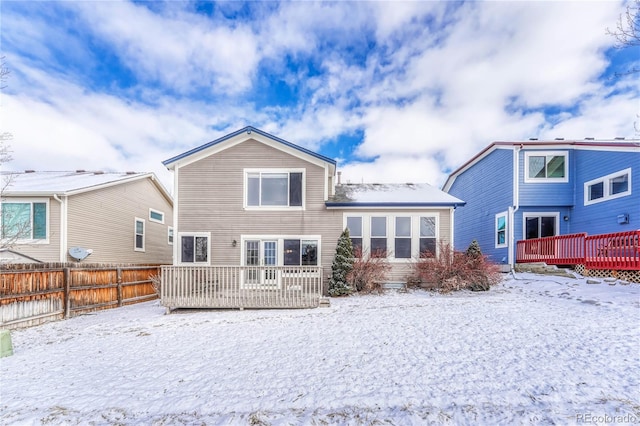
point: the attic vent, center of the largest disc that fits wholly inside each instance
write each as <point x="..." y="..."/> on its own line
<point x="619" y="138"/>
<point x="533" y="139"/>
<point x="80" y="171"/>
<point x="99" y="172"/>
<point x="29" y="171"/>
<point x="130" y="173"/>
<point x="559" y="139"/>
<point x="589" y="139"/>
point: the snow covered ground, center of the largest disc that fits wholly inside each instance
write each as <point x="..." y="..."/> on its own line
<point x="533" y="350"/>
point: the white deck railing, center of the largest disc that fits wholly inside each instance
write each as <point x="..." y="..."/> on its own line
<point x="238" y="287"/>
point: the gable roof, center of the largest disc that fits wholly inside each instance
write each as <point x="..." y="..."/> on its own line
<point x="602" y="145"/>
<point x="391" y="195"/>
<point x="239" y="136"/>
<point x="33" y="183"/>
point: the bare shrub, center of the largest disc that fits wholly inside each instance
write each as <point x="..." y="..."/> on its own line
<point x="156" y="283"/>
<point x="369" y="271"/>
<point x="452" y="271"/>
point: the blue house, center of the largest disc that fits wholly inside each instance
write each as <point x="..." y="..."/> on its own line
<point x="531" y="189"/>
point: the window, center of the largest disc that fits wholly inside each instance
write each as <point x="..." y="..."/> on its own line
<point x="170" y="235"/>
<point x="403" y="238"/>
<point x="381" y="234"/>
<point x="354" y="224"/>
<point x="300" y="252"/>
<point x="501" y="230"/>
<point x="378" y="236"/>
<point x="274" y="189"/>
<point x="427" y="236"/>
<point x="24" y="220"/>
<point x="156" y="216"/>
<point x="612" y="186"/>
<point x="139" y="235"/>
<point x="194" y="248"/>
<point x="540" y="225"/>
<point x="546" y="166"/>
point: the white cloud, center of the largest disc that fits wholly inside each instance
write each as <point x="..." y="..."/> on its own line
<point x="427" y="96"/>
<point x="182" y="50"/>
<point x="394" y="169"/>
<point x="499" y="60"/>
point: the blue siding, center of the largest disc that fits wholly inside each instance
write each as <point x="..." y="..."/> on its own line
<point x="601" y="218"/>
<point x="487" y="189"/>
<point x="546" y="194"/>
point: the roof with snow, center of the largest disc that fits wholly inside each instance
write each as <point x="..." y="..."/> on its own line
<point x="391" y="195"/>
<point x="31" y="183"/>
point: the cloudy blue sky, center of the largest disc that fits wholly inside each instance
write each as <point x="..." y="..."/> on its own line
<point x="395" y="91"/>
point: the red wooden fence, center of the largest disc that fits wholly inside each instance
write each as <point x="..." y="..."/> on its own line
<point x="618" y="251"/>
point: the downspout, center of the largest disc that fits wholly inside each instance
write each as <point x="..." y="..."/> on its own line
<point x="516" y="205"/>
<point x="451" y="226"/>
<point x="63" y="227"/>
<point x="176" y="239"/>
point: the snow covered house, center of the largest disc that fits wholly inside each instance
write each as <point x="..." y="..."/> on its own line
<point x="556" y="201"/>
<point x="255" y="212"/>
<point x="64" y="216"/>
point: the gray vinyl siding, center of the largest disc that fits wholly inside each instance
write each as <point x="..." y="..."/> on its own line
<point x="210" y="193"/>
<point x="104" y="220"/>
<point x="45" y="252"/>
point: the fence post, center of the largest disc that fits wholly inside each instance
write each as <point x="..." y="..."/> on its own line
<point x="67" y="292"/>
<point x="119" y="282"/>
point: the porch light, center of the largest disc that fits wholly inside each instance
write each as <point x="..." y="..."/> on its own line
<point x="234" y="243"/>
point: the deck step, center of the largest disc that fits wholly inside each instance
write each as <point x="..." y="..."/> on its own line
<point x="544" y="269"/>
<point x="400" y="286"/>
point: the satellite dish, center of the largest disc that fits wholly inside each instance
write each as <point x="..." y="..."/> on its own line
<point x="78" y="253"/>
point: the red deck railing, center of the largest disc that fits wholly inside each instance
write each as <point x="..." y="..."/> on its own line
<point x="619" y="250"/>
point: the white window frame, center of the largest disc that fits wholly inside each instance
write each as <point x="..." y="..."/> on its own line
<point x="362" y="231"/>
<point x="151" y="219"/>
<point x="506" y="230"/>
<point x="386" y="231"/>
<point x="436" y="224"/>
<point x="606" y="181"/>
<point x="135" y="234"/>
<point x="30" y="201"/>
<point x="391" y="231"/>
<point x="529" y="154"/>
<point x="404" y="237"/>
<point x="280" y="246"/>
<point x="527" y="215"/>
<point x="170" y="235"/>
<point x="194" y="235"/>
<point x="245" y="194"/>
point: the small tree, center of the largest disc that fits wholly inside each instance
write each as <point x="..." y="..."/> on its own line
<point x="473" y="251"/>
<point x="341" y="266"/>
<point x="7" y="239"/>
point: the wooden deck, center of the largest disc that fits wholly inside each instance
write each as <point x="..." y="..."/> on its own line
<point x="240" y="287"/>
<point x="616" y="251"/>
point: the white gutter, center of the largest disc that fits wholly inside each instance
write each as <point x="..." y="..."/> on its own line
<point x="516" y="205"/>
<point x="63" y="227"/>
